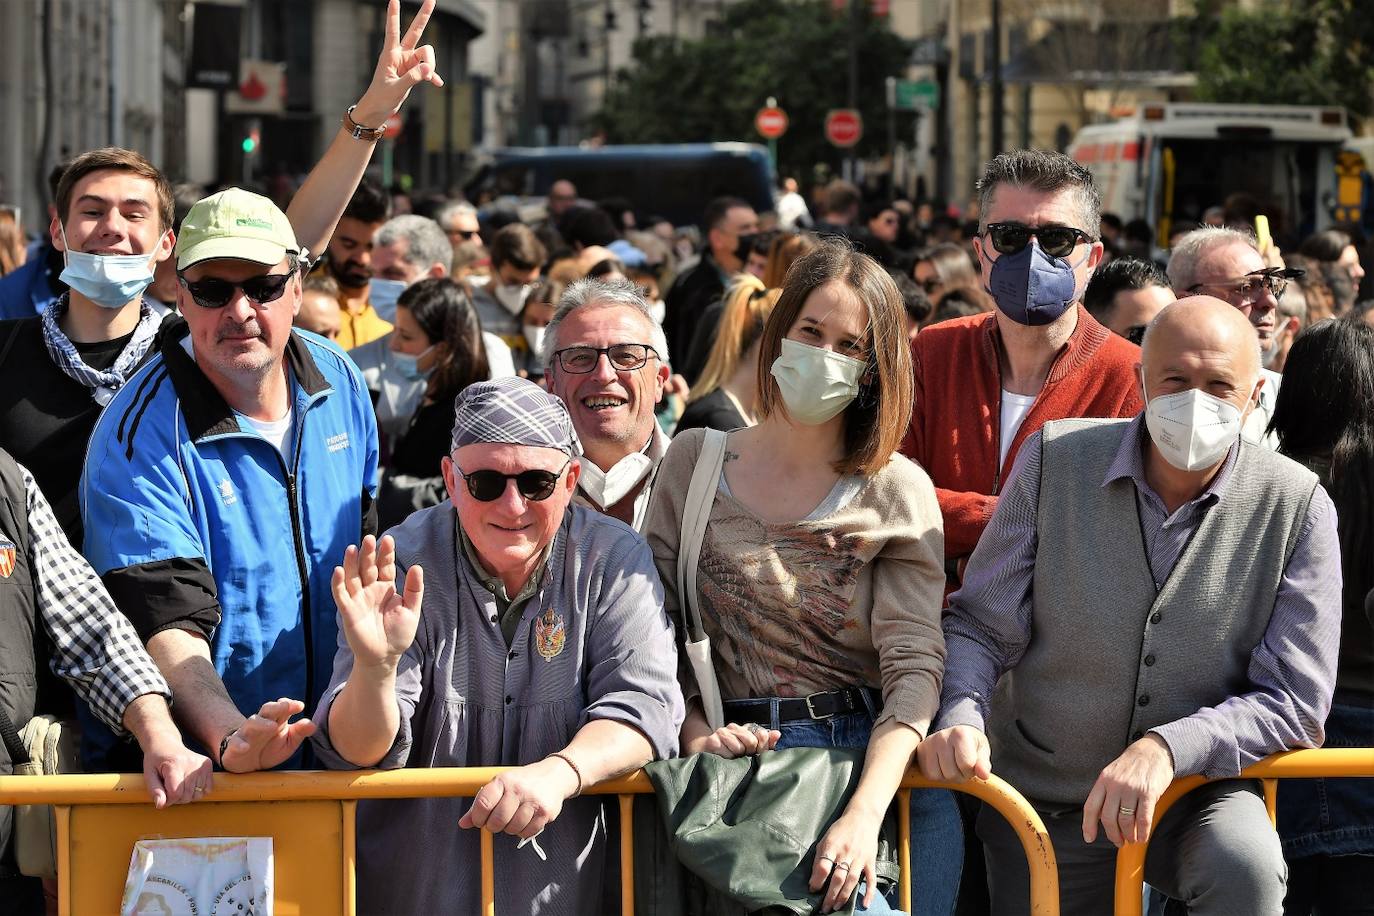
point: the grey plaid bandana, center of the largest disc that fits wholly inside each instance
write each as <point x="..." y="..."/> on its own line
<point x="102" y="382"/>
<point x="514" y="411"/>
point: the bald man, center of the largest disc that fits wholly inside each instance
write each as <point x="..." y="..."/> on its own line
<point x="1185" y="590"/>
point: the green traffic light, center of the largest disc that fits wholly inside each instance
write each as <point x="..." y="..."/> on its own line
<point x="249" y="144"/>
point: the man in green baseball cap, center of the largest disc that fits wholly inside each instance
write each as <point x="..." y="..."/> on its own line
<point x="237" y="225"/>
<point x="224" y="481"/>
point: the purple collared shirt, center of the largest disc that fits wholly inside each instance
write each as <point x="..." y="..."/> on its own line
<point x="1292" y="671"/>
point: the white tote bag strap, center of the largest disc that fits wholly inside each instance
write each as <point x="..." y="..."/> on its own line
<point x="701" y="496"/>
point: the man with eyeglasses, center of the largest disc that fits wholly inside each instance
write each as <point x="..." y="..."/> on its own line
<point x="606" y="357"/>
<point x="527" y="632"/>
<point x="986" y="382"/>
<point x="1226" y="263"/>
<point x="224" y="482"/>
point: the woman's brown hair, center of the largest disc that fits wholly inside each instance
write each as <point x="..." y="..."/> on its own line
<point x="876" y="421"/>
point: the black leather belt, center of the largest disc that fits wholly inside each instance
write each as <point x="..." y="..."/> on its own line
<point x="816" y="706"/>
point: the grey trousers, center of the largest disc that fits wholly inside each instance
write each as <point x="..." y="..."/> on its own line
<point x="1215" y="850"/>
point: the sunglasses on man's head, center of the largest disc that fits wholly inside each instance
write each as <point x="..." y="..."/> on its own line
<point x="1055" y="241"/>
<point x="487" y="486"/>
<point x="214" y="293"/>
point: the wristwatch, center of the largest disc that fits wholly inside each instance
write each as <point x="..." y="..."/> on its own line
<point x="224" y="745"/>
<point x="358" y="131"/>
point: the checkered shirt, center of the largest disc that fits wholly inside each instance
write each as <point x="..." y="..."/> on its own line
<point x="96" y="648"/>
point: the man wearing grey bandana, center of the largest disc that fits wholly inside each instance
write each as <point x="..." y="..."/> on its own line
<point x="534" y="637"/>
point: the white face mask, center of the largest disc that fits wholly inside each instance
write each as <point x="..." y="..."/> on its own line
<point x="816" y="384"/>
<point x="606" y="488"/>
<point x="512" y="298"/>
<point x="1192" y="429"/>
<point x="534" y="336"/>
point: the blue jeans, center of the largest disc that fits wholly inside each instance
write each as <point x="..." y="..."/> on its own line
<point x="1325" y="816"/>
<point x="937" y="834"/>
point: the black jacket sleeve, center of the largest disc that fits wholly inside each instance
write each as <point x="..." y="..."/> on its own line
<point x="164" y="594"/>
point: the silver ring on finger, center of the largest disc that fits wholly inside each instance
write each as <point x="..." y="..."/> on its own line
<point x="842" y="866"/>
<point x="829" y="859"/>
<point x="757" y="730"/>
<point x="1128" y="812"/>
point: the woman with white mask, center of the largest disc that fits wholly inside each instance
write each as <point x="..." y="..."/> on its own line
<point x="820" y="573"/>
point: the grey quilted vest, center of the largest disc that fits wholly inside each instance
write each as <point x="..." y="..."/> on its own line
<point x="1109" y="656"/>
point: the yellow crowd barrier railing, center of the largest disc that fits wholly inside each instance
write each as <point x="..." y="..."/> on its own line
<point x="1130" y="860"/>
<point x="310" y="817"/>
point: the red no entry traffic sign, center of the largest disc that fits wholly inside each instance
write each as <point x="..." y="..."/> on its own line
<point x="771" y="122"/>
<point x="844" y="126"/>
<point x="392" y="128"/>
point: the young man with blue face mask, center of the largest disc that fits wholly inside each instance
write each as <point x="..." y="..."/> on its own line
<point x="112" y="224"/>
<point x="1215" y="648"/>
<point x="986" y="382"/>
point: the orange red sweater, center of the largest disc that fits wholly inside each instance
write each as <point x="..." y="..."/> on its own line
<point x="956" y="424"/>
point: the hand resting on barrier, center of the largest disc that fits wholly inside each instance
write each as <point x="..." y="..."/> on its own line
<point x="955" y="754"/>
<point x="730" y="740"/>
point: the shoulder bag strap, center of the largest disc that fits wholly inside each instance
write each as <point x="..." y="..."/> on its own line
<point x="701" y="496"/>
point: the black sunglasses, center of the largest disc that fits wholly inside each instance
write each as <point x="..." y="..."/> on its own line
<point x="487" y="486"/>
<point x="1055" y="241"/>
<point x="214" y="293"/>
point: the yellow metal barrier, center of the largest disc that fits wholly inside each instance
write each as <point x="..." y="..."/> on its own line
<point x="310" y="817"/>
<point x="1130" y="860"/>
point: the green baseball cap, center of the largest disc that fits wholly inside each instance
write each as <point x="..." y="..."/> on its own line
<point x="235" y="224"/>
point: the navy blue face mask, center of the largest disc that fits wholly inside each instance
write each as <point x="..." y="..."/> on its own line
<point x="1032" y="288"/>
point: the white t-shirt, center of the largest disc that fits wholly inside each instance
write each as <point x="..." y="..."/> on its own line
<point x="278" y="432"/>
<point x="1014" y="410"/>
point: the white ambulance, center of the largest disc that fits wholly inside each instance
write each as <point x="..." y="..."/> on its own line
<point x="1168" y="162"/>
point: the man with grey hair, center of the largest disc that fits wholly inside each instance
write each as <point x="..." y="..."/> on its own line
<point x="535" y="638"/>
<point x="1216" y="649"/>
<point x="607" y="358"/>
<point x="987" y="382"/>
<point x="407" y="249"/>
<point x="1227" y="263"/>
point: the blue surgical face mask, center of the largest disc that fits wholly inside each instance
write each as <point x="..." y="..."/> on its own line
<point x="1032" y="288"/>
<point x="383" y="295"/>
<point x="111" y="281"/>
<point x="407" y="365"/>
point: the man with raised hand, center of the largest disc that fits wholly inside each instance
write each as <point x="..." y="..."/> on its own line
<point x="242" y="446"/>
<point x="534" y="638"/>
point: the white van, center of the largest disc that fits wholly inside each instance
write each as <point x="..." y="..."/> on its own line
<point x="1169" y="161"/>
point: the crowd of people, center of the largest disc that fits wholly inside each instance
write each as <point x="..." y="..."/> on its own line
<point x="1018" y="494"/>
